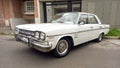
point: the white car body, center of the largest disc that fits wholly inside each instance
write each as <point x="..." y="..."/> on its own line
<point x="79" y="33"/>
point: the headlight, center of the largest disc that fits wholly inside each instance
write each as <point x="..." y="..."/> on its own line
<point x="40" y="35"/>
<point x="16" y="31"/>
<point x="37" y="35"/>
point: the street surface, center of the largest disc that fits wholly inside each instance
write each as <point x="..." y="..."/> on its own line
<point x="105" y="54"/>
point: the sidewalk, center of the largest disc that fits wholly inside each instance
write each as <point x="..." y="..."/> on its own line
<point x="5" y="30"/>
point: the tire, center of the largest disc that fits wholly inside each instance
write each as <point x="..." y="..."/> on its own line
<point x="16" y="38"/>
<point x="100" y="38"/>
<point x="63" y="47"/>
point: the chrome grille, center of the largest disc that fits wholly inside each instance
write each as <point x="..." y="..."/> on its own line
<point x="26" y="32"/>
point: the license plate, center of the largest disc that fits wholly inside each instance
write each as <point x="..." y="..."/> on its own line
<point x="25" y="39"/>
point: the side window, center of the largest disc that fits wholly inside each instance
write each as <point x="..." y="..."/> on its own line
<point x="83" y="19"/>
<point x="92" y="19"/>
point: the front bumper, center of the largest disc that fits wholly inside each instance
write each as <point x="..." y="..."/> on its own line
<point x="32" y="42"/>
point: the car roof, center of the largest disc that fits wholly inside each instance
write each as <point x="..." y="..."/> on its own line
<point x="78" y="12"/>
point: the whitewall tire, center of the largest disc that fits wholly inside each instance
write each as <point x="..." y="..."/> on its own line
<point x="63" y="47"/>
<point x="100" y="37"/>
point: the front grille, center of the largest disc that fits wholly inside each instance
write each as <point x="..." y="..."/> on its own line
<point x="26" y="32"/>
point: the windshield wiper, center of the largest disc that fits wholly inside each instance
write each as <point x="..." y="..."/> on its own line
<point x="60" y="21"/>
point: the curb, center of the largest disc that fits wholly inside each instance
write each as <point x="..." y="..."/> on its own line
<point x="112" y="37"/>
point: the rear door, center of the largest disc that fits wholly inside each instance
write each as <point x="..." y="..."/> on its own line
<point x="94" y="26"/>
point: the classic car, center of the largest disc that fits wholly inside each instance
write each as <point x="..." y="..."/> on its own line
<point x="62" y="33"/>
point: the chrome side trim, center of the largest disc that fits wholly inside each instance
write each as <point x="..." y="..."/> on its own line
<point x="77" y="32"/>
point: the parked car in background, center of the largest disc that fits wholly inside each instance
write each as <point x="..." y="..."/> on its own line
<point x="63" y="32"/>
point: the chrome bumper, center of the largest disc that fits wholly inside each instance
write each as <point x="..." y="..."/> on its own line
<point x="32" y="42"/>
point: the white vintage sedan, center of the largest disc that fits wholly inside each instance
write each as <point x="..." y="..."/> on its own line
<point x="63" y="32"/>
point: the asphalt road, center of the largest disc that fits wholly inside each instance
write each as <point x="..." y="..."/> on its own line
<point x="105" y="54"/>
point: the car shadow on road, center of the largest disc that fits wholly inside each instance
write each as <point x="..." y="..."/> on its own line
<point x="39" y="54"/>
<point x="50" y="56"/>
<point x="43" y="55"/>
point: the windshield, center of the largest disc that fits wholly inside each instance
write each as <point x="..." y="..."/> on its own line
<point x="65" y="18"/>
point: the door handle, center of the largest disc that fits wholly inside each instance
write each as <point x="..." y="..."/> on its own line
<point x="91" y="27"/>
<point x="100" y="26"/>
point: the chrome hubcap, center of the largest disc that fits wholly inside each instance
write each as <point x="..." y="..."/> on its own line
<point x="62" y="47"/>
<point x="100" y="38"/>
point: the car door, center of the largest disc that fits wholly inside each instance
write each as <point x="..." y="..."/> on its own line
<point x="84" y="28"/>
<point x="94" y="26"/>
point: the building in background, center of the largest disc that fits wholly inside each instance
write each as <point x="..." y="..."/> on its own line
<point x="15" y="12"/>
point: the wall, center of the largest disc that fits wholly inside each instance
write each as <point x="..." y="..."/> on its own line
<point x="17" y="21"/>
<point x="107" y="10"/>
<point x="5" y="12"/>
<point x="19" y="15"/>
<point x="17" y="8"/>
<point x="1" y="16"/>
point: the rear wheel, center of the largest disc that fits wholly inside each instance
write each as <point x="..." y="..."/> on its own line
<point x="62" y="49"/>
<point x="99" y="39"/>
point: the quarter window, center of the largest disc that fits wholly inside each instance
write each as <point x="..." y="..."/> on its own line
<point x="92" y="19"/>
<point x="29" y="6"/>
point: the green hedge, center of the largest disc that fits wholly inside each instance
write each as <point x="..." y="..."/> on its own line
<point x="114" y="32"/>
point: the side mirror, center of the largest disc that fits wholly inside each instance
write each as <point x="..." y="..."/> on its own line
<point x="81" y="23"/>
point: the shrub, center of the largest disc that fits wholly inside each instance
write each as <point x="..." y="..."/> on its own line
<point x="114" y="32"/>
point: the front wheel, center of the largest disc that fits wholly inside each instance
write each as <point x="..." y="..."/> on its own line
<point x="62" y="49"/>
<point x="16" y="38"/>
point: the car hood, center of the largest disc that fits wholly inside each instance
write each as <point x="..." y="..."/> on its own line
<point x="49" y="28"/>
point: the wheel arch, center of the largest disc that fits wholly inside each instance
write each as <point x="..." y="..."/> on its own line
<point x="103" y="33"/>
<point x="100" y="33"/>
<point x="68" y="38"/>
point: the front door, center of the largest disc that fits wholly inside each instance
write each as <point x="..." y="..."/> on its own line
<point x="84" y="28"/>
<point x="88" y="28"/>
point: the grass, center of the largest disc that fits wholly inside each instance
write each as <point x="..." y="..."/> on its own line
<point x="2" y="34"/>
<point x="5" y="34"/>
<point x="114" y="32"/>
